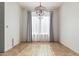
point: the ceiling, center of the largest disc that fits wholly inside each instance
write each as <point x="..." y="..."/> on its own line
<point x="49" y="5"/>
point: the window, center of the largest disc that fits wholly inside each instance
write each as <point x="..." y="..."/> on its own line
<point x="40" y="27"/>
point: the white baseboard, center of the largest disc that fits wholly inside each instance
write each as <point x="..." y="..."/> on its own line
<point x="62" y="42"/>
<point x="6" y="49"/>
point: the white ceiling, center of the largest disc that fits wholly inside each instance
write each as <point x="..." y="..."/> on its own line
<point x="49" y="5"/>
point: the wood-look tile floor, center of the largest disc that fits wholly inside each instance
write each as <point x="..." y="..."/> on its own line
<point x="40" y="49"/>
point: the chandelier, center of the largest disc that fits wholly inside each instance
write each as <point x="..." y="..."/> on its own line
<point x="40" y="10"/>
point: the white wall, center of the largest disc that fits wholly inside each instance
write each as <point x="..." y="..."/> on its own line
<point x="56" y="24"/>
<point x="12" y="19"/>
<point x="69" y="25"/>
<point x="23" y="25"/>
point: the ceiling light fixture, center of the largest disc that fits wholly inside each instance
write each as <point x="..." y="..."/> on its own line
<point x="40" y="10"/>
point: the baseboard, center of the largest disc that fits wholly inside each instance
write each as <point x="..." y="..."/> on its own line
<point x="63" y="43"/>
<point x="38" y="41"/>
<point x="23" y="42"/>
<point x="11" y="47"/>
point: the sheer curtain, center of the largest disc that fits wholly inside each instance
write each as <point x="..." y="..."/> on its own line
<point x="41" y="27"/>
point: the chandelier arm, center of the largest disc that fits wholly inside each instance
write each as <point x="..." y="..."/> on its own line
<point x="40" y="4"/>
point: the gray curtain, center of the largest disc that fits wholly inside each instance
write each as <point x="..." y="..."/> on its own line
<point x="51" y="27"/>
<point x="29" y="27"/>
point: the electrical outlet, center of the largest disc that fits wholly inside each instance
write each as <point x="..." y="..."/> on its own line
<point x="6" y="26"/>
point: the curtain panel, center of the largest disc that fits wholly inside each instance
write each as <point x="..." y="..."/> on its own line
<point x="29" y="27"/>
<point x="51" y="27"/>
